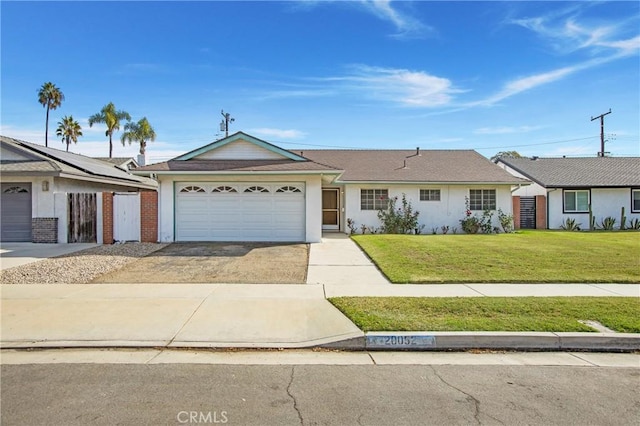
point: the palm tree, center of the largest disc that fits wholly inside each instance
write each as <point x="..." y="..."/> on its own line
<point x="139" y="132"/>
<point x="111" y="117"/>
<point x="68" y="130"/>
<point x="50" y="97"/>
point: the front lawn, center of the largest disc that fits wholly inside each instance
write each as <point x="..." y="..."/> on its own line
<point x="556" y="314"/>
<point x="523" y="257"/>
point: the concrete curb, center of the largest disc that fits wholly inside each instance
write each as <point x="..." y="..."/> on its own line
<point x="521" y="341"/>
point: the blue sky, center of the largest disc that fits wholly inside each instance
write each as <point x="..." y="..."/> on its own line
<point x="490" y="76"/>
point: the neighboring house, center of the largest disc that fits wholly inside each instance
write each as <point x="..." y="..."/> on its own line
<point x="125" y="163"/>
<point x="241" y="188"/>
<point x="567" y="187"/>
<point x="37" y="183"/>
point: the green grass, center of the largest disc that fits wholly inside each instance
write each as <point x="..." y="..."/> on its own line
<point x="490" y="313"/>
<point x="523" y="257"/>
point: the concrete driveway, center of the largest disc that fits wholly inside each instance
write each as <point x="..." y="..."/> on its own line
<point x="248" y="263"/>
<point x="16" y="254"/>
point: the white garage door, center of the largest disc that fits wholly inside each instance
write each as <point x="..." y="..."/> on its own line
<point x="240" y="212"/>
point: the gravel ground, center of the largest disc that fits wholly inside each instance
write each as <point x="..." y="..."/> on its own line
<point x="80" y="267"/>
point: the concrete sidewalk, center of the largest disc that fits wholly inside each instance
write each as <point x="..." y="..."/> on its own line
<point x="170" y="315"/>
<point x="339" y="261"/>
<point x="16" y="254"/>
<point x="248" y="316"/>
<point x="482" y="290"/>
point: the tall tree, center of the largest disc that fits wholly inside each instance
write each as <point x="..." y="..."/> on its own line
<point x="111" y="117"/>
<point x="68" y="130"/>
<point x="50" y="97"/>
<point x="506" y="154"/>
<point x="140" y="132"/>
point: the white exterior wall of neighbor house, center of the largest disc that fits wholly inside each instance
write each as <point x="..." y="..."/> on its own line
<point x="525" y="190"/>
<point x="53" y="203"/>
<point x="604" y="202"/>
<point x="433" y="214"/>
<point x="313" y="200"/>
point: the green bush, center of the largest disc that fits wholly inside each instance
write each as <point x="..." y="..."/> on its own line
<point x="401" y="220"/>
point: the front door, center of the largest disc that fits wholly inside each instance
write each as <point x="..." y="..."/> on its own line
<point x="330" y="208"/>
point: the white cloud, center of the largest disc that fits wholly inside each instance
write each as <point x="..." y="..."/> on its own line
<point x="278" y="133"/>
<point x="566" y="35"/>
<point x="405" y="87"/>
<point x="523" y="84"/>
<point x="505" y="130"/>
<point x="407" y="26"/>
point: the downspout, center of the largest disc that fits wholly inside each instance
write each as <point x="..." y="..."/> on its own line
<point x="547" y="218"/>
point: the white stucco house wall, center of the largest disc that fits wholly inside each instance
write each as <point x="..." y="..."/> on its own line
<point x="36" y="181"/>
<point x="572" y="186"/>
<point x="241" y="188"/>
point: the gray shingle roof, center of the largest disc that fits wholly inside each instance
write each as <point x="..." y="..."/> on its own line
<point x="68" y="162"/>
<point x="579" y="172"/>
<point x="437" y="166"/>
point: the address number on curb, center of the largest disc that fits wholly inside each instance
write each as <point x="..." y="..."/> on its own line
<point x="399" y="342"/>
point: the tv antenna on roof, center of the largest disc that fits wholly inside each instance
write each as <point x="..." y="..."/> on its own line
<point x="224" y="125"/>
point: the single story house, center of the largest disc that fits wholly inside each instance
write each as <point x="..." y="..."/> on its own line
<point x="43" y="193"/>
<point x="241" y="188"/>
<point x="568" y="187"/>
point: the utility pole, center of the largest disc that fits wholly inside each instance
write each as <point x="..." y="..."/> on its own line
<point x="601" y="117"/>
<point x="224" y="125"/>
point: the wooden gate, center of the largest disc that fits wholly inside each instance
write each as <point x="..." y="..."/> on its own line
<point x="82" y="218"/>
<point x="527" y="212"/>
<point x="126" y="216"/>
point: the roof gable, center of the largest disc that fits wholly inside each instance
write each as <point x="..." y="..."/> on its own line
<point x="10" y="153"/>
<point x="240" y="146"/>
<point x="578" y="172"/>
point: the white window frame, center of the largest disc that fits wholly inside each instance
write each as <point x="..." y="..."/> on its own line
<point x="430" y="195"/>
<point x="575" y="193"/>
<point x="374" y="199"/>
<point x="635" y="192"/>
<point x="488" y="200"/>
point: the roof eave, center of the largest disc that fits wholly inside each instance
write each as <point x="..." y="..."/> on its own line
<point x="237" y="172"/>
<point x="415" y="182"/>
<point x="119" y="182"/>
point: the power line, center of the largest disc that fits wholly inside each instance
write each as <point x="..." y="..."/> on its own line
<point x="537" y="144"/>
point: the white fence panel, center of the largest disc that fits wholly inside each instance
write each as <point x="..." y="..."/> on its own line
<point x="126" y="216"/>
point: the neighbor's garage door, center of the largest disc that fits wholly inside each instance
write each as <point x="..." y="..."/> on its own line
<point x="240" y="212"/>
<point x="15" y="212"/>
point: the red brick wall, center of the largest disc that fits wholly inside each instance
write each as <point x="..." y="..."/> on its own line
<point x="107" y="217"/>
<point x="516" y="211"/>
<point x="149" y="216"/>
<point x="541" y="212"/>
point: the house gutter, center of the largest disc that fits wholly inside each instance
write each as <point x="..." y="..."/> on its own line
<point x="234" y="173"/>
<point x="108" y="181"/>
<point x="424" y="182"/>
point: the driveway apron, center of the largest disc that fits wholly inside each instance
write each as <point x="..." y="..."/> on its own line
<point x="242" y="263"/>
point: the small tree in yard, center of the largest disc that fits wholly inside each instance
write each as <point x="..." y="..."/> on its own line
<point x="401" y="220"/>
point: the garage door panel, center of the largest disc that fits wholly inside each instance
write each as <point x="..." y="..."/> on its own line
<point x="241" y="216"/>
<point x="15" y="212"/>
